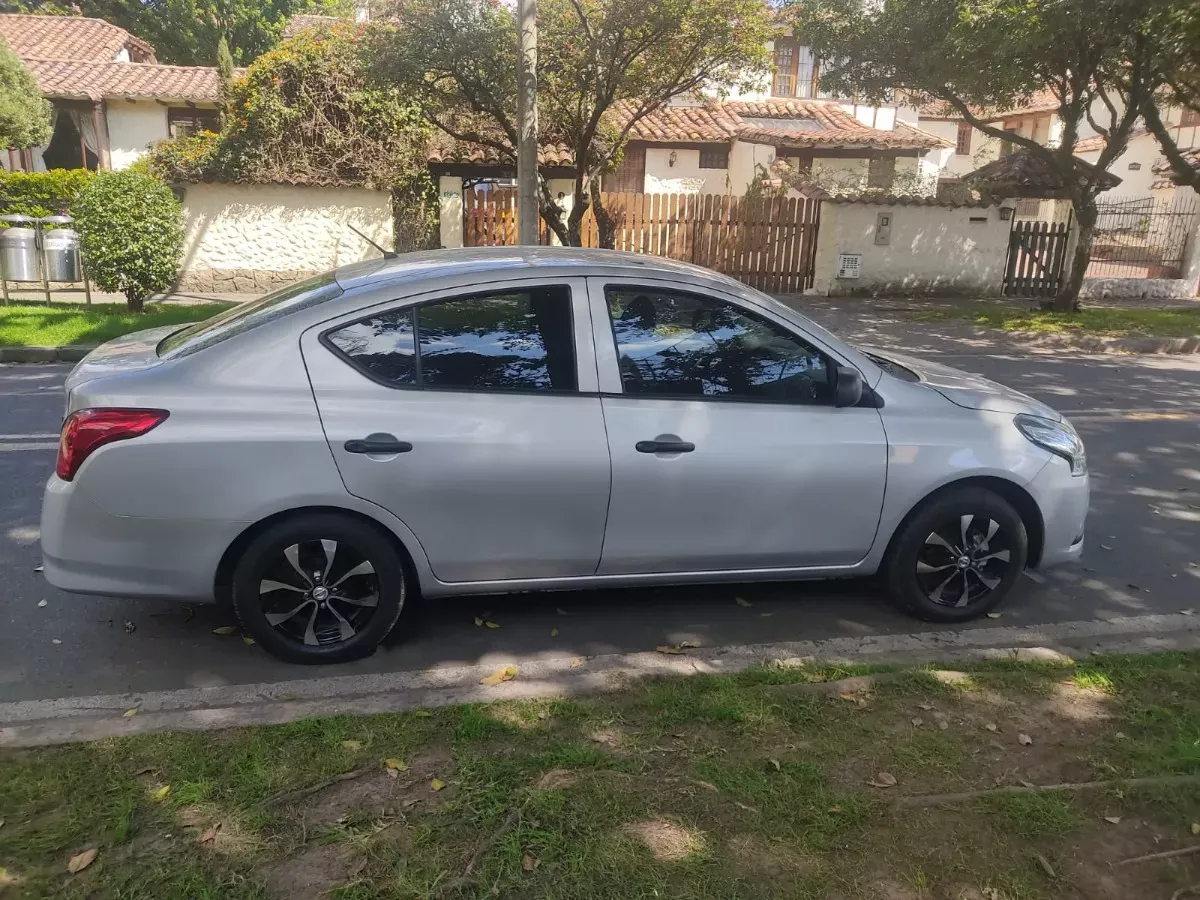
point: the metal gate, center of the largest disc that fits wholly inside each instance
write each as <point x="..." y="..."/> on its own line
<point x="1037" y="256"/>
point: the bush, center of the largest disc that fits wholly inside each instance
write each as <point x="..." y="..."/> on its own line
<point x="38" y="194"/>
<point x="131" y="229"/>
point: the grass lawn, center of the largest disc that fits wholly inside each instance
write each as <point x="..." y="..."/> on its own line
<point x="1107" y="322"/>
<point x="765" y="784"/>
<point x="38" y="325"/>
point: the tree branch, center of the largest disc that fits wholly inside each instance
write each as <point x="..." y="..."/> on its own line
<point x="1183" y="173"/>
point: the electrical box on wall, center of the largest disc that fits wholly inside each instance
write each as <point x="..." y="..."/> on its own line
<point x="849" y="265"/>
<point x="883" y="228"/>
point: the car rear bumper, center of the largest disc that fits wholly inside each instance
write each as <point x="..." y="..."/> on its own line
<point x="1063" y="500"/>
<point x="86" y="550"/>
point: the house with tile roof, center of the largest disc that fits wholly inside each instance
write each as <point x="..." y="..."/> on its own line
<point x="111" y="97"/>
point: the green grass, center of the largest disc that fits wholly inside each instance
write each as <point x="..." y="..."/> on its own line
<point x="38" y="325"/>
<point x="1106" y="322"/>
<point x="748" y="785"/>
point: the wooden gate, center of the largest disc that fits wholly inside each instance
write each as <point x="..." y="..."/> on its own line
<point x="769" y="244"/>
<point x="1037" y="255"/>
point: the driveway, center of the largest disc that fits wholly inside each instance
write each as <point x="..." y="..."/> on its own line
<point x="1140" y="417"/>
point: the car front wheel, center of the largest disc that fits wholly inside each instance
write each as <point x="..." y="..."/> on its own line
<point x="957" y="557"/>
<point x="319" y="588"/>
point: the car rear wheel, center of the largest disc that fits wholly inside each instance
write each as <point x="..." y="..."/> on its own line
<point x="957" y="557"/>
<point x="319" y="588"/>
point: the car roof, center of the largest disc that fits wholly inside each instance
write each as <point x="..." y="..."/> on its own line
<point x="430" y="264"/>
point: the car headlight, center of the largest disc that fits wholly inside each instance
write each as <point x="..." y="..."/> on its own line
<point x="1057" y="437"/>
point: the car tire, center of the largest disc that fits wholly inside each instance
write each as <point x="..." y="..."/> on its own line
<point x="319" y="588"/>
<point x="964" y="540"/>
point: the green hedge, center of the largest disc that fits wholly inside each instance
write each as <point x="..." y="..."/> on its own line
<point x="42" y="193"/>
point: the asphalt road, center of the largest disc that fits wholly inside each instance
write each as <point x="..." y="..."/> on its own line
<point x="1140" y="417"/>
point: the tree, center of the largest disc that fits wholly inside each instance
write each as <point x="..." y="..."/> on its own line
<point x="1173" y="32"/>
<point x="186" y="32"/>
<point x="24" y="112"/>
<point x="603" y="66"/>
<point x="131" y="232"/>
<point x="224" y="77"/>
<point x="982" y="56"/>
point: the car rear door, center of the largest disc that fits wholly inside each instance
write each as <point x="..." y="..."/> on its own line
<point x="473" y="416"/>
<point x="727" y="450"/>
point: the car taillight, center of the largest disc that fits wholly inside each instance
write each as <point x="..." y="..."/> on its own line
<point x="88" y="429"/>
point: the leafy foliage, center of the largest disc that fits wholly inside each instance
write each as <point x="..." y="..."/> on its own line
<point x="42" y="193"/>
<point x="603" y="65"/>
<point x="24" y="112"/>
<point x="131" y="229"/>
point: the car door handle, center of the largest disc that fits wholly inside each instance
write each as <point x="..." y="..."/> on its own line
<point x="664" y="447"/>
<point x="377" y="445"/>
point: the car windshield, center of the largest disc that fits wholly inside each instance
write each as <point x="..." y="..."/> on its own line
<point x="245" y="316"/>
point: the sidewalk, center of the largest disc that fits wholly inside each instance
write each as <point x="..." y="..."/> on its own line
<point x="890" y="324"/>
<point x="101" y="297"/>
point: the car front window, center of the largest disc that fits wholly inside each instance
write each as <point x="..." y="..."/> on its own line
<point x="246" y="316"/>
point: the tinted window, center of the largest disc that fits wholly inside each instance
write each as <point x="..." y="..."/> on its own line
<point x="517" y="340"/>
<point x="383" y="346"/>
<point x="245" y="316"/>
<point x="687" y="345"/>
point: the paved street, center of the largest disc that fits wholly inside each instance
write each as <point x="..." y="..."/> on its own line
<point x="1140" y="417"/>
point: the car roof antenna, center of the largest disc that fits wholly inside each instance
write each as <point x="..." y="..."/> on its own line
<point x="387" y="254"/>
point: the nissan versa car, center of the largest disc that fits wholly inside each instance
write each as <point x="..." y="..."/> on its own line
<point x="511" y="419"/>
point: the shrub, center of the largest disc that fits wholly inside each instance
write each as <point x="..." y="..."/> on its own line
<point x="40" y="194"/>
<point x="24" y="112"/>
<point x="131" y="229"/>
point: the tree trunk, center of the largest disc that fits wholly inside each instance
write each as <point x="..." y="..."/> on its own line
<point x="605" y="224"/>
<point x="1086" y="215"/>
<point x="135" y="302"/>
<point x="575" y="219"/>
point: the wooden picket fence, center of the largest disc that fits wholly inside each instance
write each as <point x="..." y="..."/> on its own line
<point x="769" y="244"/>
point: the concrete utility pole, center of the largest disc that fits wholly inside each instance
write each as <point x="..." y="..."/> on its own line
<point x="527" y="123"/>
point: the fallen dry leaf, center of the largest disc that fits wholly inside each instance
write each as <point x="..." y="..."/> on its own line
<point x="161" y="793"/>
<point x="1195" y="827"/>
<point x="943" y="724"/>
<point x="352" y="745"/>
<point x="688" y="645"/>
<point x="1105" y="547"/>
<point x="81" y="861"/>
<point x="55" y="641"/>
<point x="917" y="721"/>
<point x="991" y="726"/>
<point x="766" y="615"/>
<point x="224" y="629"/>
<point x="529" y="863"/>
<point x="422" y="713"/>
<point x="1045" y="864"/>
<point x="994" y="615"/>
<point x="41" y="602"/>
<point x="436" y="784"/>
<point x="1187" y="612"/>
<point x="490" y="624"/>
<point x="211" y="835"/>
<point x="882" y="780"/>
<point x="478" y="622"/>
<point x="576" y="663"/>
<point x="1028" y="784"/>
<point x="742" y="601"/>
<point x="774" y="763"/>
<point x="668" y="649"/>
<point x="553" y="632"/>
<point x="130" y="627"/>
<point x="130" y="713"/>
<point x="508" y="673"/>
<point x="1113" y="820"/>
<point x="561" y="611"/>
<point x="1024" y="740"/>
<point x="925" y="706"/>
<point x="248" y="641"/>
<point x="396" y="765"/>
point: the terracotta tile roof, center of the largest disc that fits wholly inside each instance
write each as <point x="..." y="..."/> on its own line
<point x="444" y="150"/>
<point x="828" y="116"/>
<point x="1096" y="144"/>
<point x="916" y="133"/>
<point x="68" y="37"/>
<point x="869" y="199"/>
<point x="1041" y="102"/>
<point x="1025" y="173"/>
<point x="79" y="80"/>
<point x="681" y="124"/>
<point x="1162" y="168"/>
<point x="299" y="22"/>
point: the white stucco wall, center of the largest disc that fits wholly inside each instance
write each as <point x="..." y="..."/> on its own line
<point x="1141" y="155"/>
<point x="450" y="210"/>
<point x="264" y="234"/>
<point x="933" y="249"/>
<point x="744" y="158"/>
<point x="132" y="127"/>
<point x="685" y="176"/>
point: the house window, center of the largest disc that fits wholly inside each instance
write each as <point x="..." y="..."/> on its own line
<point x="963" y="146"/>
<point x="190" y="120"/>
<point x="1190" y="118"/>
<point x="630" y="175"/>
<point x="784" y="84"/>
<point x="714" y="157"/>
<point x="881" y="171"/>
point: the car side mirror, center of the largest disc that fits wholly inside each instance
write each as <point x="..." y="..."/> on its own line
<point x="848" y="387"/>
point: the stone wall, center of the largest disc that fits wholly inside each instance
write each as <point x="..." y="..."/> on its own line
<point x="255" y="238"/>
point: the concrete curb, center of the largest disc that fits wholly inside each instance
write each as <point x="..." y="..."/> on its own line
<point x="1094" y="344"/>
<point x="40" y="722"/>
<point x="67" y="353"/>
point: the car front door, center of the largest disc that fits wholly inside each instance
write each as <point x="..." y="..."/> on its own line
<point x="473" y="416"/>
<point x="727" y="449"/>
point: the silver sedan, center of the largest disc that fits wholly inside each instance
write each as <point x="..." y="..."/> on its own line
<point x="483" y="421"/>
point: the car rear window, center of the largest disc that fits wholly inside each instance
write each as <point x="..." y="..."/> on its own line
<point x="245" y="316"/>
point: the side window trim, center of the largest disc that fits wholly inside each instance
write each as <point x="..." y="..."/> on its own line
<point x="613" y="385"/>
<point x="577" y="299"/>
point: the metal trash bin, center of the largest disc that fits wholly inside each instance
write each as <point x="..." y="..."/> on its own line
<point x="60" y="249"/>
<point x="18" y="249"/>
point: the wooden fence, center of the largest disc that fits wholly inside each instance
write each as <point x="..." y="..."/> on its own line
<point x="769" y="244"/>
<point x="1037" y="254"/>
